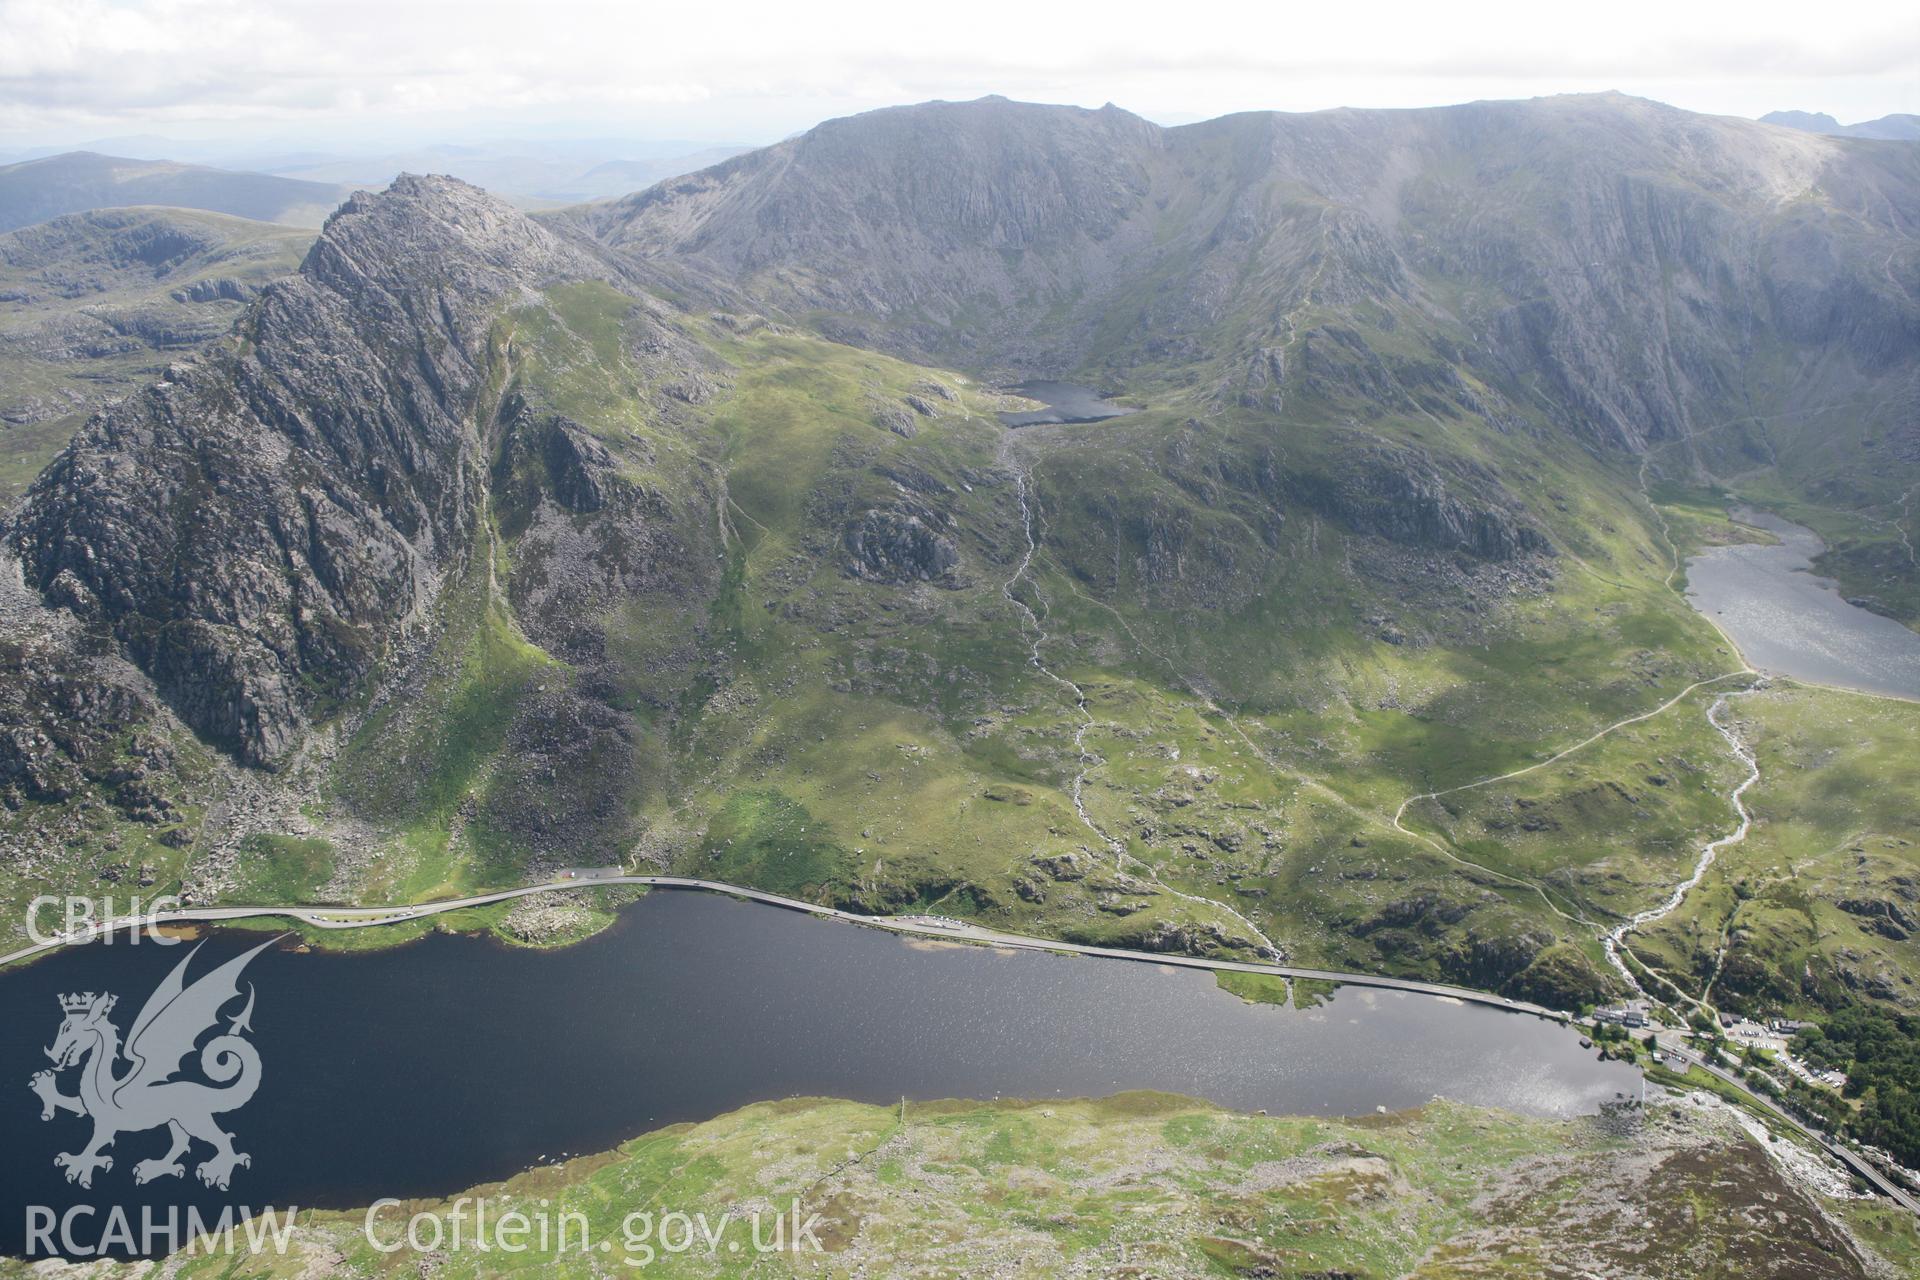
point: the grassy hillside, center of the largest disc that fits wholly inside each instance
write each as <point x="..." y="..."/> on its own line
<point x="814" y="651"/>
<point x="1817" y="907"/>
<point x="1152" y="1184"/>
<point x="717" y="594"/>
<point x="97" y="304"/>
<point x="827" y="664"/>
<point x="1047" y="742"/>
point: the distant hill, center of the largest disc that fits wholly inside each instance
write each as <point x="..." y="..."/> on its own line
<point x="79" y="181"/>
<point x="524" y="171"/>
<point x="95" y="304"/>
<point x="1894" y="128"/>
<point x="622" y="177"/>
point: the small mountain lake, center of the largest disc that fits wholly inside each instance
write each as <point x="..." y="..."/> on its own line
<point x="1790" y="621"/>
<point x="1065" y="402"/>
<point x="428" y="1068"/>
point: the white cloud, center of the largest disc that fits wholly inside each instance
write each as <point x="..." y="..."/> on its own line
<point x="756" y="70"/>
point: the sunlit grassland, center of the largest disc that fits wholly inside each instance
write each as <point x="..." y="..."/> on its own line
<point x="416" y="763"/>
<point x="1174" y="1186"/>
<point x="1611" y="825"/>
<point x="1264" y="683"/>
<point x="1836" y="819"/>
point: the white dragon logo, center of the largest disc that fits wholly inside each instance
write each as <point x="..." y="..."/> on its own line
<point x="146" y="1095"/>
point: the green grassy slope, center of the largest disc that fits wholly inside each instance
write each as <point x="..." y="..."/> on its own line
<point x="1816" y="907"/>
<point x="1147" y="1184"/>
<point x="98" y="303"/>
<point x="1264" y="682"/>
<point x="794" y="637"/>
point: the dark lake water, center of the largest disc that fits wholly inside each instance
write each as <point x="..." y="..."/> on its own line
<point x="1066" y="402"/>
<point x="429" y="1068"/>
<point x="1790" y="621"/>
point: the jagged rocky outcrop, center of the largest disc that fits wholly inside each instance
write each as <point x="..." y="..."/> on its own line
<point x="1263" y="383"/>
<point x="1400" y="494"/>
<point x="63" y="729"/>
<point x="76" y="722"/>
<point x="1884" y="916"/>
<point x="223" y="289"/>
<point x="553" y="454"/>
<point x="258" y="530"/>
<point x="587" y="535"/>
<point x="899" y="545"/>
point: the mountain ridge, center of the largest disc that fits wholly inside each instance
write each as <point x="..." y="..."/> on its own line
<point x="1897" y="127"/>
<point x="98" y="303"/>
<point x="1369" y="215"/>
<point x="683" y="532"/>
<point x="78" y="181"/>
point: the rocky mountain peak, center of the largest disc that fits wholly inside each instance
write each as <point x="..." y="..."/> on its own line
<point x="461" y="235"/>
<point x="257" y="531"/>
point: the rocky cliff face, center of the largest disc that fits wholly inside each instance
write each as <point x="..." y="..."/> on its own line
<point x="1617" y="265"/>
<point x="259" y="530"/>
<point x="900" y="545"/>
<point x="587" y="536"/>
<point x="1403" y="496"/>
<point x="940" y="225"/>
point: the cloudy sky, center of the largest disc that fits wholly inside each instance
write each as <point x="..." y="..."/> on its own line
<point x="332" y="72"/>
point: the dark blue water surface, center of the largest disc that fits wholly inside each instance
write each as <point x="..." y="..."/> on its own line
<point x="1065" y="402"/>
<point x="428" y="1068"/>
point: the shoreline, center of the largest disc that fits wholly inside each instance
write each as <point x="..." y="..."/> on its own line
<point x="1687" y="565"/>
<point x="925" y="927"/>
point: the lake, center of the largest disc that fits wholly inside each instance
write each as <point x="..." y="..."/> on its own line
<point x="425" y="1069"/>
<point x="1065" y="402"/>
<point x="1790" y="621"/>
